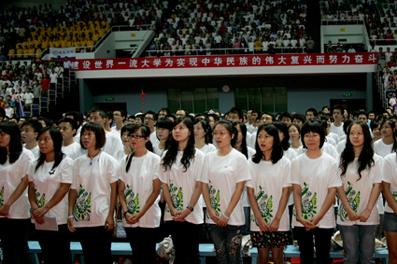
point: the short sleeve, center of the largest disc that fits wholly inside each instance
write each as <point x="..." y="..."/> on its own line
<point x="155" y="165"/>
<point x="67" y="170"/>
<point x="294" y="177"/>
<point x="113" y="166"/>
<point x="287" y="173"/>
<point x="243" y="172"/>
<point x="76" y="172"/>
<point x="388" y="169"/>
<point x="376" y="170"/>
<point x="198" y="165"/>
<point x="334" y="179"/>
<point x="30" y="171"/>
<point x="204" y="170"/>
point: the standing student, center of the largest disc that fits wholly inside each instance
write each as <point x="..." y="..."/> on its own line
<point x="14" y="205"/>
<point x="384" y="146"/>
<point x="180" y="173"/>
<point x="224" y="175"/>
<point x="203" y="136"/>
<point x="268" y="193"/>
<point x="390" y="194"/>
<point x="294" y="132"/>
<point x="50" y="178"/>
<point x="29" y="131"/>
<point x="68" y="128"/>
<point x="360" y="171"/>
<point x="314" y="179"/>
<point x="92" y="196"/>
<point x="163" y="132"/>
<point x="139" y="189"/>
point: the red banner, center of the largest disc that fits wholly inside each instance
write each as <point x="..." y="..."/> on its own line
<point x="251" y="60"/>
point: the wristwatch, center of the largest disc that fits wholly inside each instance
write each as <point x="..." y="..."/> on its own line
<point x="190" y="208"/>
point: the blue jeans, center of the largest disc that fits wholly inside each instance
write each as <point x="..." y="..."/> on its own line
<point x="358" y="243"/>
<point x="227" y="242"/>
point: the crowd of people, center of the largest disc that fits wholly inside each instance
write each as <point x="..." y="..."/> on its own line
<point x="180" y="27"/>
<point x="23" y="83"/>
<point x="378" y="17"/>
<point x="273" y="177"/>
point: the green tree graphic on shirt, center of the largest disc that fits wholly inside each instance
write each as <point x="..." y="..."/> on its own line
<point x="132" y="200"/>
<point x="309" y="202"/>
<point x="2" y="196"/>
<point x="215" y="198"/>
<point x="265" y="204"/>
<point x="40" y="199"/>
<point x="82" y="208"/>
<point x="176" y="196"/>
<point x="353" y="198"/>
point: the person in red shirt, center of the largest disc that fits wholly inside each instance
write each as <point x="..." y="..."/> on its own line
<point x="45" y="84"/>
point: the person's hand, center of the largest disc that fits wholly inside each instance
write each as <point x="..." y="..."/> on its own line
<point x="181" y="215"/>
<point x="364" y="215"/>
<point x="263" y="227"/>
<point x="223" y="220"/>
<point x="4" y="210"/>
<point x="213" y="215"/>
<point x="40" y="212"/>
<point x="132" y="218"/>
<point x="109" y="223"/>
<point x="71" y="224"/>
<point x="274" y="225"/>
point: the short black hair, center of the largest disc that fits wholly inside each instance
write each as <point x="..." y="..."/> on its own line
<point x="100" y="136"/>
<point x="314" y="127"/>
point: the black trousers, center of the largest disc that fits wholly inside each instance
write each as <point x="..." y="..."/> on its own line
<point x="185" y="237"/>
<point x="96" y="243"/>
<point x="143" y="244"/>
<point x="14" y="239"/>
<point x="55" y="245"/>
<point x="322" y="242"/>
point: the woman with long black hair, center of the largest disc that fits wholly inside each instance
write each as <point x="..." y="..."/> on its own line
<point x="14" y="204"/>
<point x="180" y="173"/>
<point x="50" y="178"/>
<point x="139" y="189"/>
<point x="360" y="171"/>
<point x="268" y="193"/>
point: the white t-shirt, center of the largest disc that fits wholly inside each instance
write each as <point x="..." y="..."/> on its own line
<point x="330" y="150"/>
<point x="341" y="146"/>
<point x="207" y="148"/>
<point x="381" y="148"/>
<point x="11" y="176"/>
<point x="28" y="98"/>
<point x="358" y="191"/>
<point x="92" y="179"/>
<point x="181" y="185"/>
<point x="390" y="176"/>
<point x="113" y="146"/>
<point x="222" y="173"/>
<point x="337" y="130"/>
<point x="290" y="153"/>
<point x="268" y="181"/>
<point x="47" y="181"/>
<point x="138" y="187"/>
<point x="73" y="150"/>
<point x="35" y="151"/>
<point x="315" y="176"/>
